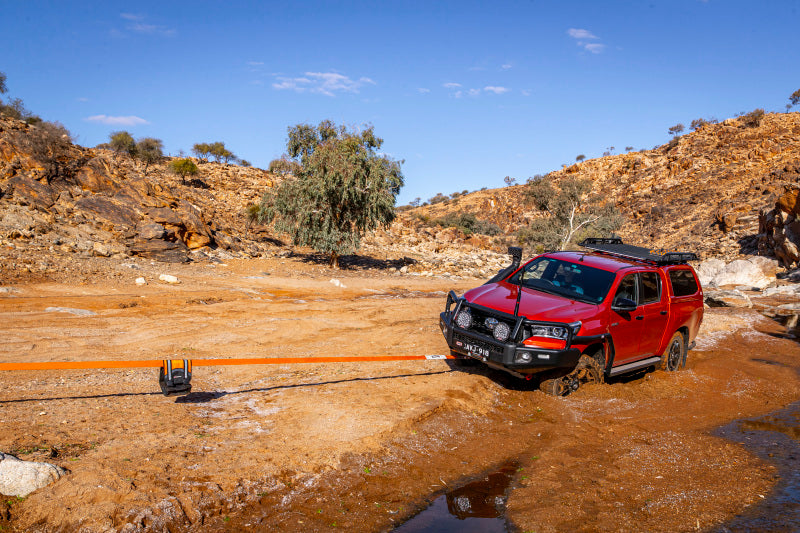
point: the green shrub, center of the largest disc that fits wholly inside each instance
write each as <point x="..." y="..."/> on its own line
<point x="753" y="118"/>
<point x="183" y="168"/>
<point x="122" y="141"/>
<point x="468" y="223"/>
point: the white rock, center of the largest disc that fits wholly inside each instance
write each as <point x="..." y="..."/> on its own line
<point x="141" y="281"/>
<point x="708" y="270"/>
<point x="783" y="289"/>
<point x="755" y="272"/>
<point x="166" y="278"/>
<point x="70" y="310"/>
<point x="338" y="283"/>
<point x="20" y="478"/>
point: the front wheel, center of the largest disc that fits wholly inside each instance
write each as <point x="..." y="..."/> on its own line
<point x="588" y="370"/>
<point x="675" y="355"/>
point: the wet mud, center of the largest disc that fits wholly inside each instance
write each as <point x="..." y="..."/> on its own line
<point x="775" y="439"/>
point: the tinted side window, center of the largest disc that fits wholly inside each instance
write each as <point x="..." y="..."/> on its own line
<point x="683" y="282"/>
<point x="651" y="287"/>
<point x="627" y="288"/>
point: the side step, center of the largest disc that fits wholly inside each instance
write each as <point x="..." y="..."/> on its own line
<point x="636" y="365"/>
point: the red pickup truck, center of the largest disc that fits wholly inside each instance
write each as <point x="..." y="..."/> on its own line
<point x="574" y="317"/>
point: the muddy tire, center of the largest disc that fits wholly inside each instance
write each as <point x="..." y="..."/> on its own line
<point x="674" y="357"/>
<point x="588" y="370"/>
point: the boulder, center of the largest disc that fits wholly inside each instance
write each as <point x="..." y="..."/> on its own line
<point x="164" y="251"/>
<point x="708" y="271"/>
<point x="95" y="177"/>
<point x="147" y="232"/>
<point x="758" y="272"/>
<point x="31" y="192"/>
<point x="108" y="210"/>
<point x="20" y="478"/>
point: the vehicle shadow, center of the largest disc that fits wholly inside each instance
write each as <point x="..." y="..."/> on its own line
<point x="514" y="383"/>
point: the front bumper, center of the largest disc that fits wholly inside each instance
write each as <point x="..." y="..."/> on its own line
<point x="503" y="355"/>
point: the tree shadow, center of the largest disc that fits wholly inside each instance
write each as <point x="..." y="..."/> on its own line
<point x="356" y="262"/>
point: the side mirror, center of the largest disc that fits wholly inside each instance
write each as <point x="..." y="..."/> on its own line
<point x="624" y="305"/>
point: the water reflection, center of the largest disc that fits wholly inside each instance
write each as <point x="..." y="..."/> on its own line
<point x="478" y="506"/>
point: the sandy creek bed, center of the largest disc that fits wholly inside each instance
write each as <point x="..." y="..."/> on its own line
<point x="357" y="446"/>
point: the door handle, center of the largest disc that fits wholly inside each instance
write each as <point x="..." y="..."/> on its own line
<point x="640" y="317"/>
<point x="663" y="313"/>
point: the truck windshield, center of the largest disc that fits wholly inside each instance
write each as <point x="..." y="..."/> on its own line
<point x="571" y="280"/>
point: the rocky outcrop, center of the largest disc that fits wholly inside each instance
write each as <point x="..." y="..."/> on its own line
<point x="779" y="228"/>
<point x="102" y="203"/>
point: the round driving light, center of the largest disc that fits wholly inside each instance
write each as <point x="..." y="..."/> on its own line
<point x="464" y="319"/>
<point x="560" y="333"/>
<point x="491" y="323"/>
<point x="501" y="331"/>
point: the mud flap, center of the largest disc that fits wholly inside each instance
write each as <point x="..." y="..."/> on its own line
<point x="175" y="377"/>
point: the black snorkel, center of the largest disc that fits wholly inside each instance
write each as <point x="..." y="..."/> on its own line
<point x="516" y="257"/>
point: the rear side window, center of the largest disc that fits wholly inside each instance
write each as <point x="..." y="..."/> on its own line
<point x="683" y="282"/>
<point x="651" y="287"/>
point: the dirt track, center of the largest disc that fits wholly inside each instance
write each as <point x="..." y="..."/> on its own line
<point x="356" y="447"/>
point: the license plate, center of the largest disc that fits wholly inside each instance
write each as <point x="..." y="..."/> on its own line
<point x="474" y="350"/>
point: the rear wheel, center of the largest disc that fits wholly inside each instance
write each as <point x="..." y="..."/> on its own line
<point x="588" y="370"/>
<point x="675" y="355"/>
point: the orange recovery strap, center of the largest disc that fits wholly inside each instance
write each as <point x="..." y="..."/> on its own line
<point x="158" y="363"/>
<point x="175" y="375"/>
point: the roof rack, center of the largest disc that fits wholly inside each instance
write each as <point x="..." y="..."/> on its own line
<point x="615" y="246"/>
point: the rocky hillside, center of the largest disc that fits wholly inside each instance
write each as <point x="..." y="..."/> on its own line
<point x="60" y="201"/>
<point x="63" y="206"/>
<point x="704" y="190"/>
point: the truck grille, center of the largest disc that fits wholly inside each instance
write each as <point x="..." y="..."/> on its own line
<point x="482" y="319"/>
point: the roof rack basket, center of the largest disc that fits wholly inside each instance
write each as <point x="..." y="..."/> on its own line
<point x="614" y="246"/>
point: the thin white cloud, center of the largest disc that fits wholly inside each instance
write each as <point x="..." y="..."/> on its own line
<point x="576" y="33"/>
<point x="583" y="35"/>
<point x="496" y="90"/>
<point x="594" y="48"/>
<point x="137" y="25"/>
<point x="255" y="63"/>
<point x="525" y="92"/>
<point x="118" y="121"/>
<point x="506" y="66"/>
<point x="82" y="99"/>
<point x="423" y="90"/>
<point x="151" y="29"/>
<point x="327" y="83"/>
<point x="451" y="85"/>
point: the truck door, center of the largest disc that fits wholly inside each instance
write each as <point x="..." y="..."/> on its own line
<point x="626" y="327"/>
<point x="654" y="308"/>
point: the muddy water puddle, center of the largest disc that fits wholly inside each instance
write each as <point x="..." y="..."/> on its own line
<point x="478" y="506"/>
<point x="775" y="438"/>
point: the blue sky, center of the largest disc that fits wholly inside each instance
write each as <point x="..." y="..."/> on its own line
<point x="465" y="92"/>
